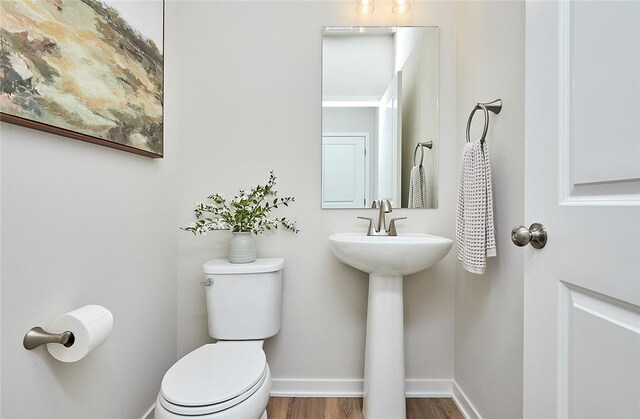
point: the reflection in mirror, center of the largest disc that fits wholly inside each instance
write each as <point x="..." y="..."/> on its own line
<point x="379" y="112"/>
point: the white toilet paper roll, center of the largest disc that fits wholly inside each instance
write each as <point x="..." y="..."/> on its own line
<point x="91" y="326"/>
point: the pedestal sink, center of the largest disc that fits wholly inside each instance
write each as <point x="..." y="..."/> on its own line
<point x="386" y="259"/>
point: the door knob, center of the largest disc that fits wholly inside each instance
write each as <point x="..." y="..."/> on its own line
<point x="536" y="235"/>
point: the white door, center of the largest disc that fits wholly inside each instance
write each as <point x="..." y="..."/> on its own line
<point x="582" y="182"/>
<point x="344" y="171"/>
<point x="390" y="142"/>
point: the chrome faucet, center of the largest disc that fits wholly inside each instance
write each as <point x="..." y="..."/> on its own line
<point x="384" y="207"/>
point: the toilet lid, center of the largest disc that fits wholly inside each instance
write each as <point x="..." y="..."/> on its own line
<point x="214" y="374"/>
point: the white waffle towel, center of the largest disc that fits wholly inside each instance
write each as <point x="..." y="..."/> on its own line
<point x="475" y="233"/>
<point x="418" y="188"/>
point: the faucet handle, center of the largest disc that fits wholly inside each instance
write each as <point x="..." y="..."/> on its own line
<point x="392" y="226"/>
<point x="370" y="229"/>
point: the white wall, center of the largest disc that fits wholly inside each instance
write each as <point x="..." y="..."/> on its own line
<point x="489" y="307"/>
<point x="405" y="42"/>
<point x="250" y="102"/>
<point x="84" y="224"/>
<point x="417" y="57"/>
<point x="356" y="66"/>
<point x="349" y="120"/>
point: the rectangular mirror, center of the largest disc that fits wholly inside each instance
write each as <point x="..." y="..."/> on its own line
<point x="379" y="116"/>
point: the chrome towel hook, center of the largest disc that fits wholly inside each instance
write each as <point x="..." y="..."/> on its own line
<point x="495" y="107"/>
<point x="420" y="145"/>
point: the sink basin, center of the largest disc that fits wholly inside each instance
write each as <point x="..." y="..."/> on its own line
<point x="386" y="259"/>
<point x="400" y="255"/>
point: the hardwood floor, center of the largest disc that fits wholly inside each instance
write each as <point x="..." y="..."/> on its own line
<point x="351" y="408"/>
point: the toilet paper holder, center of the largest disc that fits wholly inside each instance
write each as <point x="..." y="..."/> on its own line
<point x="37" y="336"/>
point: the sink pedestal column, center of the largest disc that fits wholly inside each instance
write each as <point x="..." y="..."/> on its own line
<point x="384" y="396"/>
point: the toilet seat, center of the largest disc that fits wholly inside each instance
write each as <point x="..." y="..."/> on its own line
<point x="213" y="378"/>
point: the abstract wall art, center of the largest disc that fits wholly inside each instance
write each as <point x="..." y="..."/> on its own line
<point x="92" y="70"/>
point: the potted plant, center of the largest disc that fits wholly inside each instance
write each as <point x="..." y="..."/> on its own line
<point x="246" y="215"/>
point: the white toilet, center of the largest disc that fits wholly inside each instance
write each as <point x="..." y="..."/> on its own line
<point x="229" y="379"/>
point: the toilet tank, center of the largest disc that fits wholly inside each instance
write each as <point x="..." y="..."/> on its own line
<point x="244" y="300"/>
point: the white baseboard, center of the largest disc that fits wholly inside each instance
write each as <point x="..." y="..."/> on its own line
<point x="428" y="388"/>
<point x="316" y="388"/>
<point x="149" y="413"/>
<point x="353" y="388"/>
<point x="464" y="404"/>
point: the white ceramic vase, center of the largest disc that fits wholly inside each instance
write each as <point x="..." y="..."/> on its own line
<point x="242" y="248"/>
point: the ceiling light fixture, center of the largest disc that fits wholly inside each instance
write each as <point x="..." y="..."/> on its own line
<point x="365" y="7"/>
<point x="401" y="6"/>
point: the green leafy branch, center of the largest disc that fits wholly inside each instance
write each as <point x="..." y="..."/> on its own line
<point x="246" y="212"/>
